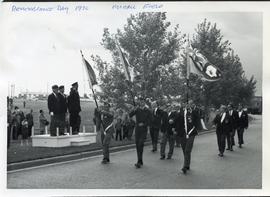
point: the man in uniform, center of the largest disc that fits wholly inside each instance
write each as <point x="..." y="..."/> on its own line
<point x="187" y="129"/>
<point x="168" y="131"/>
<point x="74" y="108"/>
<point x="242" y="124"/>
<point x="143" y="117"/>
<point x="233" y="117"/>
<point x="155" y="125"/>
<point x="222" y="122"/>
<point x="107" y="129"/>
<point x="63" y="109"/>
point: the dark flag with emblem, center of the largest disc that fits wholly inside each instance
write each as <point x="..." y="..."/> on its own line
<point x="198" y="64"/>
<point x="90" y="72"/>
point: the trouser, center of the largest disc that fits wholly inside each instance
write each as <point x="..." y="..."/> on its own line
<point x="30" y="130"/>
<point x="164" y="139"/>
<point x="177" y="141"/>
<point x="75" y="122"/>
<point x="228" y="139"/>
<point x="125" y="132"/>
<point x="232" y="137"/>
<point x="130" y="132"/>
<point x="154" y="137"/>
<point x="8" y="135"/>
<point x="118" y="133"/>
<point x="187" y="145"/>
<point x="62" y="123"/>
<point x="221" y="141"/>
<point x="240" y="133"/>
<point x="55" y="123"/>
<point x="106" y="140"/>
<point x="16" y="131"/>
<point x="140" y="136"/>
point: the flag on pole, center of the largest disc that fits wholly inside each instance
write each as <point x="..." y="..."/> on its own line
<point x="128" y="74"/>
<point x="90" y="72"/>
<point x="199" y="65"/>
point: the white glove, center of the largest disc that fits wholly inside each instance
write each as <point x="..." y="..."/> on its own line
<point x="51" y="113"/>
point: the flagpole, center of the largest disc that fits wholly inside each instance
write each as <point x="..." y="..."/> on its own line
<point x="188" y="70"/>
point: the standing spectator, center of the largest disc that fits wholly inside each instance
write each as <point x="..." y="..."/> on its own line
<point x="18" y="116"/>
<point x="53" y="106"/>
<point x="43" y="122"/>
<point x="74" y="108"/>
<point x="30" y="120"/>
<point x="62" y="110"/>
<point x="124" y="125"/>
<point x="118" y="128"/>
<point x="242" y="124"/>
<point x="24" y="104"/>
<point x="9" y="125"/>
<point x="24" y="132"/>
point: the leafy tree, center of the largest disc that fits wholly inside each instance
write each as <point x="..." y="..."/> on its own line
<point x="150" y="47"/>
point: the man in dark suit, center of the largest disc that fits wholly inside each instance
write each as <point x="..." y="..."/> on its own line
<point x="143" y="118"/>
<point x="168" y="131"/>
<point x="155" y="125"/>
<point x="62" y="109"/>
<point x="233" y="118"/>
<point x="74" y="108"/>
<point x="53" y="106"/>
<point x="222" y="122"/>
<point x="242" y="124"/>
<point x="30" y="119"/>
<point x="187" y="128"/>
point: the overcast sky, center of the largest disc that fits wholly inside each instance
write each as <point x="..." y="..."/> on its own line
<point x="40" y="50"/>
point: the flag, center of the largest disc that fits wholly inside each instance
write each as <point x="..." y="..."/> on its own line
<point x="128" y="74"/>
<point x="199" y="65"/>
<point x="90" y="72"/>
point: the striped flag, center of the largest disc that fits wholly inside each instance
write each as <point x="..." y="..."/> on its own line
<point x="91" y="74"/>
<point x="128" y="74"/>
<point x="199" y="65"/>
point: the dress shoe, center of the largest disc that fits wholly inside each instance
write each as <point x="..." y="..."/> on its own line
<point x="187" y="168"/>
<point x="231" y="149"/>
<point x="169" y="157"/>
<point x="104" y="162"/>
<point x="137" y="165"/>
<point x="162" y="157"/>
<point x="184" y="170"/>
<point x="220" y="154"/>
<point x="227" y="148"/>
<point x="240" y="145"/>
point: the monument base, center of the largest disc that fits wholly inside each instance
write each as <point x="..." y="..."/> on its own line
<point x="63" y="140"/>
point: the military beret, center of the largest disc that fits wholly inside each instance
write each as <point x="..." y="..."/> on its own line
<point x="74" y="84"/>
<point x="55" y="87"/>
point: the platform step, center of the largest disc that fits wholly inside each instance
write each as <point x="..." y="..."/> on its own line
<point x="80" y="142"/>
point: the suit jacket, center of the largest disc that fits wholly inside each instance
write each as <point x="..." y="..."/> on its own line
<point x="53" y="104"/>
<point x="172" y="118"/>
<point x="164" y="122"/>
<point x="156" y="118"/>
<point x="74" y="102"/>
<point x="192" y="120"/>
<point x="223" y="127"/>
<point x="62" y="103"/>
<point x="242" y="121"/>
<point x="233" y="119"/>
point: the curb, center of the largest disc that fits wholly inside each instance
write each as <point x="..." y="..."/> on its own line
<point x="38" y="162"/>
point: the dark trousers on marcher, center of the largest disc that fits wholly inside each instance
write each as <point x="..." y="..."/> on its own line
<point x="187" y="145"/>
<point x="154" y="137"/>
<point x="118" y="133"/>
<point x="228" y="139"/>
<point x="177" y="141"/>
<point x="232" y="137"/>
<point x="221" y="142"/>
<point x="75" y="122"/>
<point x="240" y="133"/>
<point x="171" y="139"/>
<point x="62" y="124"/>
<point x="106" y="140"/>
<point x="140" y="136"/>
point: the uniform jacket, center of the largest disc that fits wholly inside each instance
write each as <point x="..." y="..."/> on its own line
<point x="143" y="116"/>
<point x="223" y="127"/>
<point x="192" y="121"/>
<point x="62" y="103"/>
<point x="74" y="102"/>
<point x="156" y="118"/>
<point x="242" y="121"/>
<point x="53" y="104"/>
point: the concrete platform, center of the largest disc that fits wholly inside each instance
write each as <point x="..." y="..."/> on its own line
<point x="63" y="140"/>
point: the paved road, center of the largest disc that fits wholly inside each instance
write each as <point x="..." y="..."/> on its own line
<point x="239" y="169"/>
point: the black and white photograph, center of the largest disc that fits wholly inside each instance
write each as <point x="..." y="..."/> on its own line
<point x="134" y="98"/>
